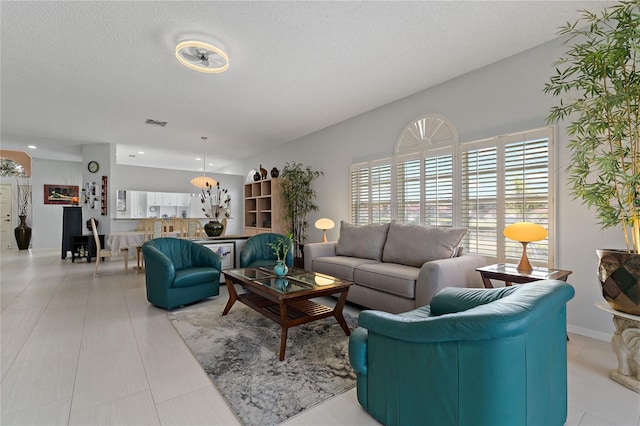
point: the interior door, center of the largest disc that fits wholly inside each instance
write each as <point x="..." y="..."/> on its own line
<point x="6" y="229"/>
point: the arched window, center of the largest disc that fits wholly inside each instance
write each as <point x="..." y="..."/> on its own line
<point x="483" y="186"/>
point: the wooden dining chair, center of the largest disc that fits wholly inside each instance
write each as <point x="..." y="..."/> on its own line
<point x="104" y="252"/>
<point x="154" y="228"/>
<point x="193" y="228"/>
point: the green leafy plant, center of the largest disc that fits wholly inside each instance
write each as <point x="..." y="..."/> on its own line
<point x="281" y="247"/>
<point x="298" y="197"/>
<point x="598" y="83"/>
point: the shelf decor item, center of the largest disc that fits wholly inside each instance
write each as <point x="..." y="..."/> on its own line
<point x="597" y="83"/>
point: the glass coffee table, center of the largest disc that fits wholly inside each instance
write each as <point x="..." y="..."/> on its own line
<point x="287" y="300"/>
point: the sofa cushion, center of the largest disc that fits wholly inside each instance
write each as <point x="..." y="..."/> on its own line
<point x="388" y="277"/>
<point x="339" y="266"/>
<point x="414" y="245"/>
<point x="365" y="241"/>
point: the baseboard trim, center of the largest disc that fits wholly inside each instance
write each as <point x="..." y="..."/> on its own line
<point x="598" y="335"/>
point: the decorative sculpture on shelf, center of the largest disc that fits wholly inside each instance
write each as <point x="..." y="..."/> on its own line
<point x="263" y="172"/>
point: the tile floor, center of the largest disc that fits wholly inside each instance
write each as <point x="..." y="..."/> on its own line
<point x="78" y="350"/>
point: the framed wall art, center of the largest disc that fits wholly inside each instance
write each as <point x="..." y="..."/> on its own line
<point x="61" y="194"/>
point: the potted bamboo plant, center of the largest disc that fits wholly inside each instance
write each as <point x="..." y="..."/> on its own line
<point x="597" y="82"/>
<point x="298" y="197"/>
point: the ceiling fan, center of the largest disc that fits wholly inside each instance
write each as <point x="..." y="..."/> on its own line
<point x="202" y="57"/>
<point x="199" y="54"/>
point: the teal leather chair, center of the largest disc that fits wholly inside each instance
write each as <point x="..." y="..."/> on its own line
<point x="472" y="357"/>
<point x="178" y="272"/>
<point x="256" y="252"/>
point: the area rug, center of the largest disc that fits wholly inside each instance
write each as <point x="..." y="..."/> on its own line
<point x="239" y="352"/>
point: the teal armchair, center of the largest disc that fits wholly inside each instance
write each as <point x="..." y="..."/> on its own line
<point x="179" y="272"/>
<point x="256" y="252"/>
<point x="472" y="357"/>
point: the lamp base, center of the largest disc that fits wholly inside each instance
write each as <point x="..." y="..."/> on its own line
<point x="324" y="235"/>
<point x="524" y="266"/>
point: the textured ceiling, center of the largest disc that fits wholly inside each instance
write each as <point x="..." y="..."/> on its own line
<point x="75" y="73"/>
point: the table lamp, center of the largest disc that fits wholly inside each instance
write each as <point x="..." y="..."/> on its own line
<point x="324" y="224"/>
<point x="525" y="232"/>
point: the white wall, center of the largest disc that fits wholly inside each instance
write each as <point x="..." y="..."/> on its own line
<point x="46" y="219"/>
<point x="501" y="98"/>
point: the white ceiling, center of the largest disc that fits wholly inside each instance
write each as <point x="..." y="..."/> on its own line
<point x="76" y="73"/>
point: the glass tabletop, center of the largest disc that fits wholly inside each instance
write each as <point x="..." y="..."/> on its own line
<point x="295" y="280"/>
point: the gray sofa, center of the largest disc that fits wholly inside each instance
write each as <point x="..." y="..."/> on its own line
<point x="395" y="267"/>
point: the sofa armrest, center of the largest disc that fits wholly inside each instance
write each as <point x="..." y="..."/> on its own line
<point x="313" y="250"/>
<point x="358" y="350"/>
<point x="159" y="268"/>
<point x="454" y="272"/>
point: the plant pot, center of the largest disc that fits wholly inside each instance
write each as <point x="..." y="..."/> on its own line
<point x="23" y="234"/>
<point x="619" y="274"/>
<point x="214" y="228"/>
<point x="280" y="269"/>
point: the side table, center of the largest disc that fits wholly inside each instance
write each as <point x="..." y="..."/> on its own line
<point x="508" y="273"/>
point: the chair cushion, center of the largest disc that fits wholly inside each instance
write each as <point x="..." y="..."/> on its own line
<point x="414" y="245"/>
<point x="188" y="277"/>
<point x="390" y="278"/>
<point x="365" y="241"/>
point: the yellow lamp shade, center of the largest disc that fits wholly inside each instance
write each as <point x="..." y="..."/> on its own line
<point x="324" y="224"/>
<point x="525" y="232"/>
<point x="202" y="181"/>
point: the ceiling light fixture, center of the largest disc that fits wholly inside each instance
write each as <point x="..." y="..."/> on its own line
<point x="202" y="57"/>
<point x="203" y="182"/>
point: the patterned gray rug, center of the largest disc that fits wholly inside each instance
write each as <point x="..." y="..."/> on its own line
<point x="239" y="353"/>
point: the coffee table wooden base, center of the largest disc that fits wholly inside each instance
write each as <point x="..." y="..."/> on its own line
<point x="290" y="312"/>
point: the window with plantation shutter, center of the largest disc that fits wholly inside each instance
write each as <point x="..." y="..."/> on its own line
<point x="479" y="206"/>
<point x="482" y="186"/>
<point x="438" y="190"/>
<point x="408" y="191"/>
<point x="359" y="195"/>
<point x="371" y="192"/>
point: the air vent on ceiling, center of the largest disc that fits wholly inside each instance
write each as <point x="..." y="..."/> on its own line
<point x="156" y="122"/>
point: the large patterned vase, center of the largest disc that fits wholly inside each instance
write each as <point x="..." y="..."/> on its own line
<point x="619" y="274"/>
<point x="23" y="234"/>
<point x="213" y="228"/>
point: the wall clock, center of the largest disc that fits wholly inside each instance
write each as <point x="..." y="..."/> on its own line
<point x="93" y="166"/>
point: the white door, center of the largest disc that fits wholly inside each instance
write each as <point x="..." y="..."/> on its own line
<point x="6" y="229"/>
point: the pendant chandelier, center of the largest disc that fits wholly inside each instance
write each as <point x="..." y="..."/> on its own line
<point x="203" y="182"/>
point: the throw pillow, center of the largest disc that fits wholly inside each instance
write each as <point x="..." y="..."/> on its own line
<point x="414" y="245"/>
<point x="363" y="241"/>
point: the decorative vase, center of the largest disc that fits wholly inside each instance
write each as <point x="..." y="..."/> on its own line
<point x="213" y="228"/>
<point x="280" y="269"/>
<point x="619" y="274"/>
<point x="23" y="234"/>
<point x="275" y="172"/>
<point x="256" y="176"/>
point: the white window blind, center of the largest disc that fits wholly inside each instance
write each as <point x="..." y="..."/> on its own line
<point x="482" y="186"/>
<point x="438" y="190"/>
<point x="408" y="191"/>
<point x="360" y="179"/>
<point x="371" y="192"/>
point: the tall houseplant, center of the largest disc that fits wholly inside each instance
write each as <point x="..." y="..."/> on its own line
<point x="298" y="196"/>
<point x="598" y="83"/>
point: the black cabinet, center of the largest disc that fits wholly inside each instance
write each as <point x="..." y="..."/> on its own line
<point x="84" y="246"/>
<point x="71" y="225"/>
